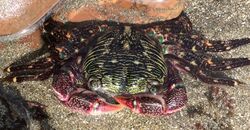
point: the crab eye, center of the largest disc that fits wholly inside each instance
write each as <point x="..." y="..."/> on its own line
<point x="94" y="83"/>
<point x="153" y="90"/>
<point x="153" y="86"/>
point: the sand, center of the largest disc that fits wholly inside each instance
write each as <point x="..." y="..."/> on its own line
<point x="229" y="109"/>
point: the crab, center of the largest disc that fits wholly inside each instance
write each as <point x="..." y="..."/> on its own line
<point x="104" y="66"/>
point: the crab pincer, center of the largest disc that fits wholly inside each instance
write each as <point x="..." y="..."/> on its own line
<point x="77" y="97"/>
<point x="171" y="99"/>
<point x="87" y="102"/>
<point x="154" y="105"/>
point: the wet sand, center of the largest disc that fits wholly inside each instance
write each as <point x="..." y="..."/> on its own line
<point x="228" y="109"/>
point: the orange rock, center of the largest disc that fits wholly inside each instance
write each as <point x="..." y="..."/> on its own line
<point x="141" y="11"/>
<point x="18" y="15"/>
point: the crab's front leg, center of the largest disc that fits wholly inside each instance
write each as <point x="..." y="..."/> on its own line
<point x="77" y="96"/>
<point x="170" y="100"/>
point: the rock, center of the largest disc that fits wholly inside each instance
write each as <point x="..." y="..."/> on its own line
<point x="21" y="17"/>
<point x="18" y="16"/>
<point x="142" y="11"/>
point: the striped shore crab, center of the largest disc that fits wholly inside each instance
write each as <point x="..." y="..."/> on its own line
<point x="103" y="66"/>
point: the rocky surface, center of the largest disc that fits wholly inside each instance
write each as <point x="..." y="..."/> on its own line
<point x="210" y="107"/>
<point x="144" y="11"/>
<point x="21" y="17"/>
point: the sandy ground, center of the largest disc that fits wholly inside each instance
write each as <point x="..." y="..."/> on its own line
<point x="210" y="108"/>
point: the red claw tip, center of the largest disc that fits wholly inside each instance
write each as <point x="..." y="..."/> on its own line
<point x="126" y="101"/>
<point x="110" y="107"/>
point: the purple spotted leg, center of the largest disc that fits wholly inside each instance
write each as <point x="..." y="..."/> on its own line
<point x="171" y="98"/>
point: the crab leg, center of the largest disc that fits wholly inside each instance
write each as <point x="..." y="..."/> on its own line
<point x="28" y="76"/>
<point x="40" y="64"/>
<point x="166" y="102"/>
<point x="39" y="70"/>
<point x="181" y="24"/>
<point x="198" y="44"/>
<point x="205" y="62"/>
<point x="218" y="45"/>
<point x="199" y="73"/>
<point x="78" y="97"/>
<point x="65" y="40"/>
<point x="224" y="64"/>
<point x="44" y="67"/>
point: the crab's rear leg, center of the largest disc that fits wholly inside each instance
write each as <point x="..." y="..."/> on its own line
<point x="218" y="45"/>
<point x="210" y="62"/>
<point x="200" y="73"/>
<point x="181" y="24"/>
<point x="223" y="64"/>
<point x="197" y="43"/>
<point x="39" y="70"/>
<point x="172" y="98"/>
<point x="77" y="96"/>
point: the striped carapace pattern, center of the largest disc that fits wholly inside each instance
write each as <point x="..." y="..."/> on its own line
<point x="125" y="60"/>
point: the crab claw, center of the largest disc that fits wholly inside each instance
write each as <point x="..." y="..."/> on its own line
<point x="88" y="102"/>
<point x="149" y="104"/>
<point x="77" y="97"/>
